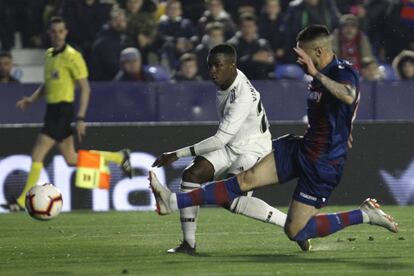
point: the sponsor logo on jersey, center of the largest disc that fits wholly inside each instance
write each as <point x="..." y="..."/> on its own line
<point x="315" y="96"/>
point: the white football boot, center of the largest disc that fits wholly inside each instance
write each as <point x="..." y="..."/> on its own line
<point x="162" y="195"/>
<point x="377" y="216"/>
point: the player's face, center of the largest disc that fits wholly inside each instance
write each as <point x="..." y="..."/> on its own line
<point x="58" y="33"/>
<point x="313" y="52"/>
<point x="220" y="69"/>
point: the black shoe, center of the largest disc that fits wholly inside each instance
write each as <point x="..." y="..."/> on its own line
<point x="305" y="245"/>
<point x="126" y="163"/>
<point x="184" y="247"/>
<point x="12" y="206"/>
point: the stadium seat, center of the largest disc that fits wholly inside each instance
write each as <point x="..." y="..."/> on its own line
<point x="28" y="73"/>
<point x="157" y="72"/>
<point x="389" y="73"/>
<point x="289" y="71"/>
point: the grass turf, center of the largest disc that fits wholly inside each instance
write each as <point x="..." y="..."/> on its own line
<point x="116" y="243"/>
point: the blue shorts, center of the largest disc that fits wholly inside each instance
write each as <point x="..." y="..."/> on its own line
<point x="317" y="179"/>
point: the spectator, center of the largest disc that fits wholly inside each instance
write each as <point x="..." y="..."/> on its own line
<point x="6" y="64"/>
<point x="350" y="43"/>
<point x="215" y="13"/>
<point x="256" y="58"/>
<point x="370" y="70"/>
<point x="84" y="19"/>
<point x="193" y="9"/>
<point x="188" y="69"/>
<point x="172" y="50"/>
<point x="131" y="66"/>
<point x="213" y="37"/>
<point x="403" y="64"/>
<point x="304" y="13"/>
<point x="371" y="15"/>
<point x="107" y="46"/>
<point x="270" y="23"/>
<point x="173" y="25"/>
<point x="176" y="32"/>
<point x="243" y="6"/>
<point x="399" y="29"/>
<point x="142" y="29"/>
<point x="7" y="23"/>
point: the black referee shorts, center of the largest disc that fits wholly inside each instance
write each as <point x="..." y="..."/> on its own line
<point x="57" y="121"/>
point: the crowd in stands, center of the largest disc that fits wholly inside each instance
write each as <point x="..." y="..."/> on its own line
<point x="121" y="39"/>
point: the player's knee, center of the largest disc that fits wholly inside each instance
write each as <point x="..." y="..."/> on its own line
<point x="245" y="180"/>
<point x="292" y="230"/>
<point x="192" y="175"/>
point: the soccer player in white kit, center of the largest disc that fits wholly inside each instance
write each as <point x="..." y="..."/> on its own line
<point x="242" y="139"/>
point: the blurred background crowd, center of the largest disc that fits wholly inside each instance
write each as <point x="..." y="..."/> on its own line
<point x="127" y="40"/>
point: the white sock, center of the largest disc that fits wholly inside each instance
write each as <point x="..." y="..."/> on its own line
<point x="365" y="217"/>
<point x="173" y="202"/>
<point x="188" y="216"/>
<point x="256" y="208"/>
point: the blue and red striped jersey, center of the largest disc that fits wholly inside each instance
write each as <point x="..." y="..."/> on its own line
<point x="330" y="119"/>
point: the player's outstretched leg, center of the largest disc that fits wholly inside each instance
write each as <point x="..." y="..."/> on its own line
<point x="322" y="225"/>
<point x="376" y="216"/>
<point x="165" y="199"/>
<point x="219" y="192"/>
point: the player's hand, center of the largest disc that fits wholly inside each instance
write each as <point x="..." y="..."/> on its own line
<point x="80" y="130"/>
<point x="165" y="159"/>
<point x="24" y="103"/>
<point x="305" y="61"/>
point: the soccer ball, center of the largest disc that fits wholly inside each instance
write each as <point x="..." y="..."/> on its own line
<point x="44" y="201"/>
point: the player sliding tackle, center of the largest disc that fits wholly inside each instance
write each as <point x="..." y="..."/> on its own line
<point x="241" y="140"/>
<point x="316" y="159"/>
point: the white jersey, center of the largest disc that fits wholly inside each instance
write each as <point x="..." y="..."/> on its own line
<point x="242" y="115"/>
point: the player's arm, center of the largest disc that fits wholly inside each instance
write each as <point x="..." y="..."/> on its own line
<point x="85" y="92"/>
<point x="25" y="102"/>
<point x="343" y="92"/>
<point x="213" y="143"/>
<point x="79" y="73"/>
<point x="235" y="115"/>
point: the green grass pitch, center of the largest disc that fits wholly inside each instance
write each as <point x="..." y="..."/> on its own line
<point x="134" y="243"/>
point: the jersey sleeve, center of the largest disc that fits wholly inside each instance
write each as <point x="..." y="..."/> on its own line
<point x="346" y="75"/>
<point x="236" y="111"/>
<point x="77" y="67"/>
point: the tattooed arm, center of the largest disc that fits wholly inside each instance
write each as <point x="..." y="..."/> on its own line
<point x="343" y="92"/>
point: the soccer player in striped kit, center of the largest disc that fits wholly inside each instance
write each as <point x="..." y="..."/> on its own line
<point x="317" y="159"/>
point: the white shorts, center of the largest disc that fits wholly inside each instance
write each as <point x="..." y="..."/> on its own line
<point x="226" y="161"/>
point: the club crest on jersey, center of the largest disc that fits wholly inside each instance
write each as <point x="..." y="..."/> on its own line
<point x="315" y="96"/>
<point x="55" y="74"/>
<point x="232" y="95"/>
